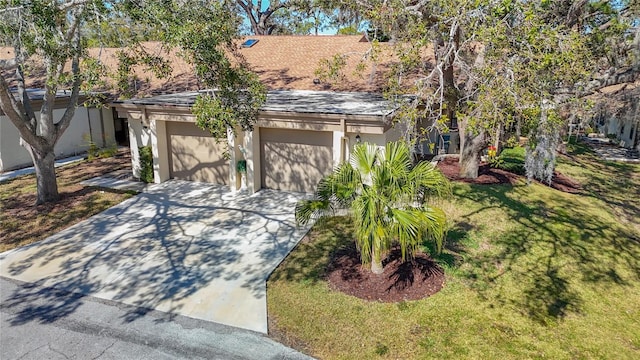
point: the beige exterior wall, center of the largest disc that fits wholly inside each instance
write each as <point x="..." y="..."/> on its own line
<point x="252" y="154"/>
<point x="378" y="139"/>
<point x="284" y="150"/>
<point x="160" y="145"/>
<point x="295" y="160"/>
<point x="85" y="125"/>
<point x="194" y="155"/>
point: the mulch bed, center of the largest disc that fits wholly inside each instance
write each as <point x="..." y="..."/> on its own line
<point x="488" y="175"/>
<point x="411" y="280"/>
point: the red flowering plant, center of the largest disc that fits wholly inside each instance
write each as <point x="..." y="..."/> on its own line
<point x="492" y="157"/>
<point x="492" y="152"/>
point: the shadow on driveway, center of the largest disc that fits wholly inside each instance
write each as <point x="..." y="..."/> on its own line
<point x="182" y="248"/>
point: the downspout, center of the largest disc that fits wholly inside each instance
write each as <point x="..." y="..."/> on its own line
<point x="104" y="136"/>
<point x="344" y="140"/>
<point x="89" y="121"/>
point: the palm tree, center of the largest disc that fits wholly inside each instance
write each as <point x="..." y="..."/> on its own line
<point x="386" y="197"/>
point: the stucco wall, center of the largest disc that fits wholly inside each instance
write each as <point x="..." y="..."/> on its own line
<point x="624" y="129"/>
<point x="139" y="136"/>
<point x="84" y="126"/>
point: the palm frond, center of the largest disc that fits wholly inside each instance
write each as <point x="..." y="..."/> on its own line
<point x="435" y="222"/>
<point x="407" y="229"/>
<point x="363" y="159"/>
<point x="381" y="189"/>
<point x="307" y="211"/>
<point x="430" y="179"/>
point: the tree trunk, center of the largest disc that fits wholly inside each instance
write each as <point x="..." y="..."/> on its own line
<point x="376" y="261"/>
<point x="44" y="164"/>
<point x="470" y="155"/>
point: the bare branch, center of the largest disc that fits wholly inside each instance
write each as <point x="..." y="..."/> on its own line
<point x="13" y="109"/>
<point x="73" y="3"/>
<point x="64" y="122"/>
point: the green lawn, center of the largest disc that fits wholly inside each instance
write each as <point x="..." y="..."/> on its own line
<point x="531" y="273"/>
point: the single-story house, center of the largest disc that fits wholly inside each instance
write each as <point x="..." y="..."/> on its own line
<point x="299" y="137"/>
<point x="283" y="63"/>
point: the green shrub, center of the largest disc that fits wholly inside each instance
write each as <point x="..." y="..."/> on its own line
<point x="146" y="164"/>
<point x="511" y="142"/>
<point x="108" y="152"/>
<point x="511" y="160"/>
<point x="241" y="166"/>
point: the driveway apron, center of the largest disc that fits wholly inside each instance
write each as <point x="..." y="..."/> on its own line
<point x="184" y="248"/>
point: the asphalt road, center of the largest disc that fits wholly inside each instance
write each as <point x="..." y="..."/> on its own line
<point x="99" y="329"/>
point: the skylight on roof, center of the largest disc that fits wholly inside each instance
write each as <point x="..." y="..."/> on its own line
<point x="249" y="43"/>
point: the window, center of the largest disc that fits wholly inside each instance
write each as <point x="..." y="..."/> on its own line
<point x="249" y="43"/>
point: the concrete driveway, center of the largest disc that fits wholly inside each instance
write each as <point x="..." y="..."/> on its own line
<point x="182" y="248"/>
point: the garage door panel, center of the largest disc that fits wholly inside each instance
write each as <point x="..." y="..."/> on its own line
<point x="195" y="155"/>
<point x="295" y="160"/>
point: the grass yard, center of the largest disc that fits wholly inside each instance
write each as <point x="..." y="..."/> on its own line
<point x="22" y="223"/>
<point x="532" y="272"/>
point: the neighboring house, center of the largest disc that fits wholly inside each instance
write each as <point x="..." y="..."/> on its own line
<point x="299" y="137"/>
<point x="88" y="125"/>
<point x="618" y="115"/>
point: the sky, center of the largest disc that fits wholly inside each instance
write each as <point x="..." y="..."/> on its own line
<point x="265" y="4"/>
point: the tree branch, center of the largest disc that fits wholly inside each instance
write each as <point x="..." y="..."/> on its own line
<point x="64" y="122"/>
<point x="13" y="110"/>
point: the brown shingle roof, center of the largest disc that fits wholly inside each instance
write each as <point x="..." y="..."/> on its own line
<point x="282" y="63"/>
<point x="290" y="62"/>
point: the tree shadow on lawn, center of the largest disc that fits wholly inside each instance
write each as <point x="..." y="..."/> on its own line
<point x="617" y="183"/>
<point x="555" y="250"/>
<point x="22" y="221"/>
<point x="309" y="261"/>
<point x="455" y="248"/>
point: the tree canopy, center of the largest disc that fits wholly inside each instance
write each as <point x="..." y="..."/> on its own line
<point x="489" y="64"/>
<point x="56" y="34"/>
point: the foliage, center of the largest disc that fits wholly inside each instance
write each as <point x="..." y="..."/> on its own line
<point x="94" y="151"/>
<point x="51" y="31"/>
<point x="241" y="166"/>
<point x="531" y="272"/>
<point x="206" y="39"/>
<point x="386" y="196"/>
<point x="57" y="34"/>
<point x="145" y="159"/>
<point x="490" y="64"/>
<point x="512" y="160"/>
<point x="511" y="142"/>
<point x="300" y="17"/>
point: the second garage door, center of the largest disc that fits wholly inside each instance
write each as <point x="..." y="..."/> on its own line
<point x="195" y="155"/>
<point x="294" y="160"/>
